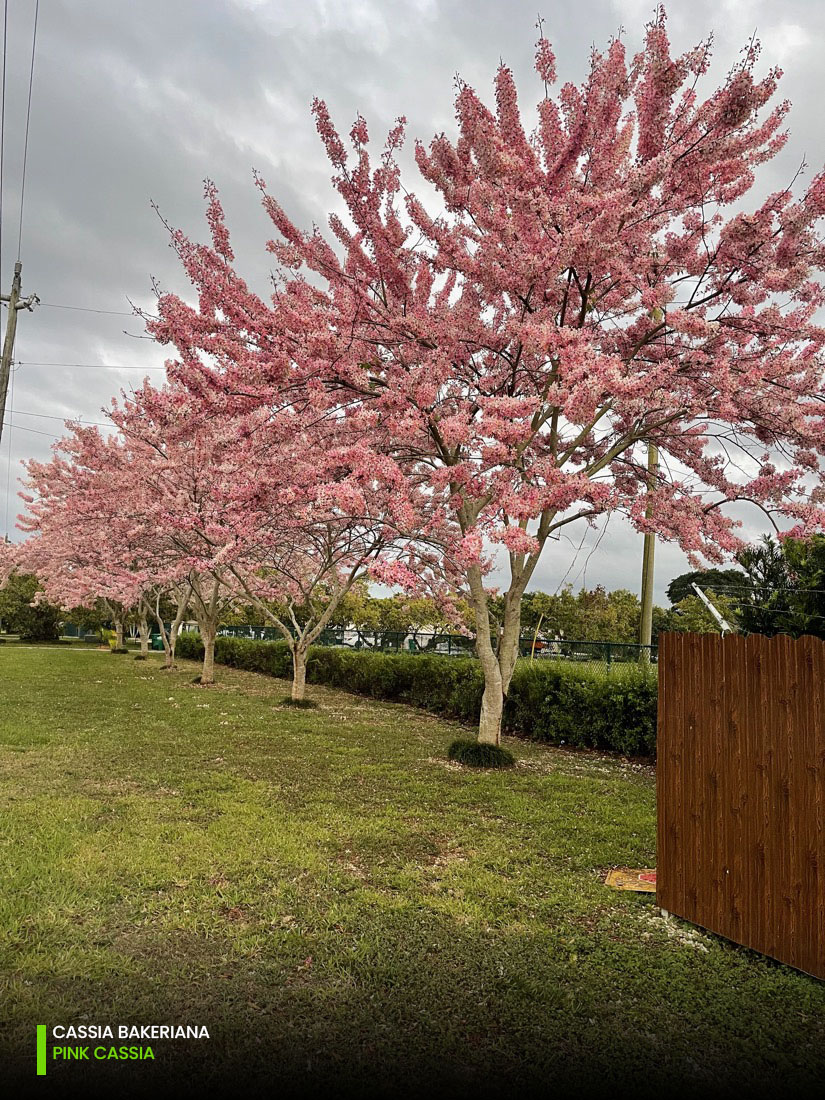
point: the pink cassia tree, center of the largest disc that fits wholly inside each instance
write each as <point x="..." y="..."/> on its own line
<point x="315" y="513"/>
<point x="108" y="518"/>
<point x="583" y="292"/>
<point x="177" y="466"/>
<point x="309" y="501"/>
<point x="291" y="510"/>
<point x="92" y="536"/>
<point x="77" y="545"/>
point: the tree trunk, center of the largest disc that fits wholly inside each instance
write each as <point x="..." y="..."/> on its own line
<point x="167" y="649"/>
<point x="492" y="701"/>
<point x="144" y="636"/>
<point x="170" y="640"/>
<point x="119" y="634"/>
<point x="208" y="670"/>
<point x="497" y="663"/>
<point x="492" y="708"/>
<point x="498" y="672"/>
<point x="299" y="672"/>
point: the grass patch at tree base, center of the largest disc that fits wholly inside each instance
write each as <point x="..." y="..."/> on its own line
<point x="304" y="704"/>
<point x="477" y="754"/>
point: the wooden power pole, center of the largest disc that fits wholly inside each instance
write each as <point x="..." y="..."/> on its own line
<point x="646" y="622"/>
<point x="15" y="303"/>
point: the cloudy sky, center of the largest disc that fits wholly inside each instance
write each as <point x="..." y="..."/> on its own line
<point x="134" y="102"/>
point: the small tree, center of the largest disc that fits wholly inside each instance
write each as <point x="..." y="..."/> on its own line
<point x="24" y="611"/>
<point x="806" y="564"/>
<point x="74" y="546"/>
<point x="718" y="579"/>
<point x="690" y="615"/>
<point x="786" y="587"/>
<point x="89" y="619"/>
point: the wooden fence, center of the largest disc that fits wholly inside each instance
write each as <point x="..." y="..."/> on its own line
<point x="741" y="790"/>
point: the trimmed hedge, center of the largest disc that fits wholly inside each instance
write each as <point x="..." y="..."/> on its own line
<point x="548" y="701"/>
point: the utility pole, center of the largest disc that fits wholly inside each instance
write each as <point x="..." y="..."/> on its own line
<point x="646" y="619"/>
<point x="724" y="625"/>
<point x="15" y="302"/>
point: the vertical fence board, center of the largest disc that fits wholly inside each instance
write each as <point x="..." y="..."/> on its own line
<point x="741" y="790"/>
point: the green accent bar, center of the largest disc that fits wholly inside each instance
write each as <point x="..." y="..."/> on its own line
<point x="41" y="1050"/>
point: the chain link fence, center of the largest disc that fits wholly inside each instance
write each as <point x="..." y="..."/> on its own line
<point x="602" y="656"/>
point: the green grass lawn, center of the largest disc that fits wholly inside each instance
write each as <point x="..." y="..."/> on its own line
<point x="336" y="902"/>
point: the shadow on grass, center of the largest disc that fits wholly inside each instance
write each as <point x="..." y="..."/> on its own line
<point x="422" y="1007"/>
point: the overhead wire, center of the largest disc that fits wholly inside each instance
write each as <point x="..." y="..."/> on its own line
<point x="80" y="420"/>
<point x="26" y="140"/>
<point x="572" y="560"/>
<point x="760" y="588"/>
<point x="99" y="366"/>
<point x="53" y="305"/>
<point x="34" y="431"/>
<point x="88" y="309"/>
<point x="3" y="127"/>
<point x="762" y="609"/>
<point x="583" y="571"/>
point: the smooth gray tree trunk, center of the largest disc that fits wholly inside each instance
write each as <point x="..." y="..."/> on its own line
<point x="208" y="670"/>
<point x="299" y="672"/>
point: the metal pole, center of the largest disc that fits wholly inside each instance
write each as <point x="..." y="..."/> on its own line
<point x="724" y="625"/>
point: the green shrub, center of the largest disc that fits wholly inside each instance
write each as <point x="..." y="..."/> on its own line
<point x="33" y="621"/>
<point x="475" y="754"/>
<point x="583" y="708"/>
<point x="190" y="645"/>
<point x="548" y="701"/>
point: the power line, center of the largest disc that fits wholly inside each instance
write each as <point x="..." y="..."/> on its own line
<point x="804" y="616"/>
<point x="101" y="366"/>
<point x="26" y="141"/>
<point x="760" y="588"/>
<point x="15" y="298"/>
<point x="34" y="431"/>
<point x="3" y="126"/>
<point x="48" y="416"/>
<point x="583" y="571"/>
<point x="87" y="309"/>
<point x="779" y="611"/>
